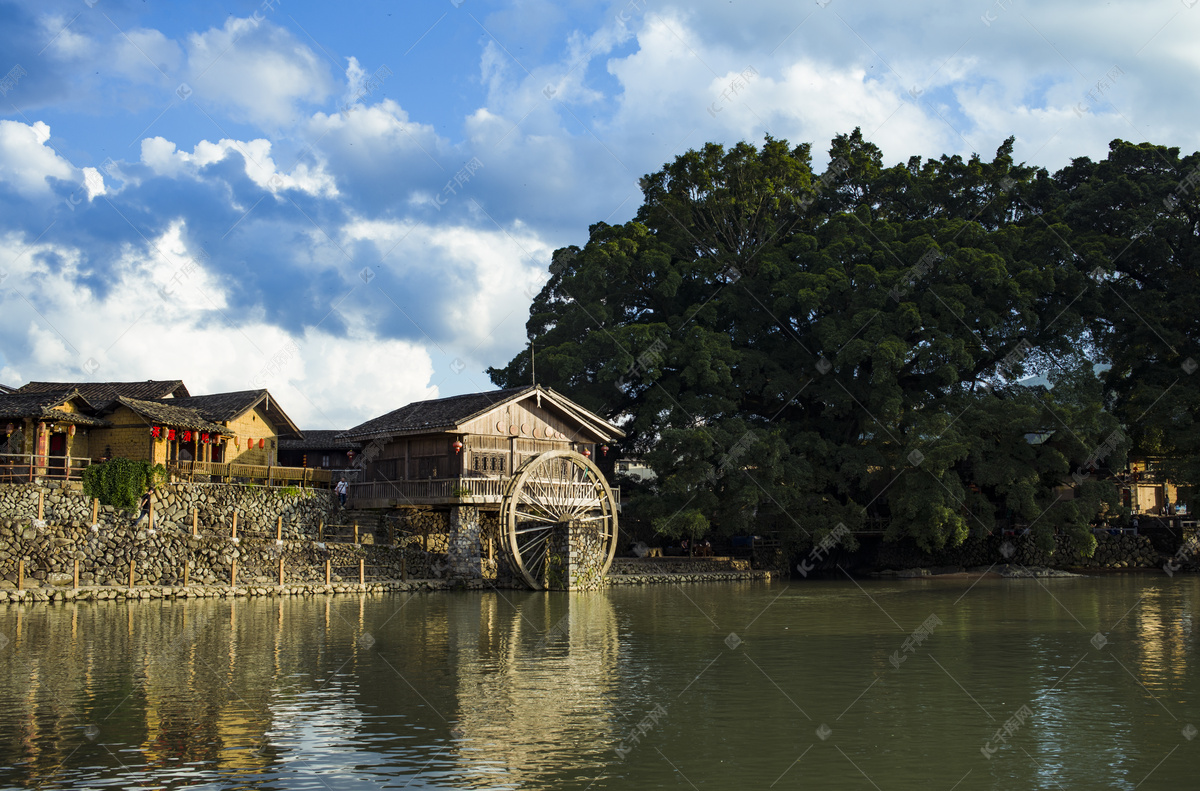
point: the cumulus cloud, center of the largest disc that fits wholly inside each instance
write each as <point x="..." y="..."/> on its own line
<point x="26" y="161"/>
<point x="257" y="72"/>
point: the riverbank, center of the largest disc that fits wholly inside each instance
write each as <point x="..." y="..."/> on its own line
<point x="50" y="594"/>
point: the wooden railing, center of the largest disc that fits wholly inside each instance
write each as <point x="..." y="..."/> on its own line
<point x="379" y="494"/>
<point x="26" y="467"/>
<point x="268" y="474"/>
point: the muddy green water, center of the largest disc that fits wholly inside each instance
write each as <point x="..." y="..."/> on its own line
<point x="1030" y="684"/>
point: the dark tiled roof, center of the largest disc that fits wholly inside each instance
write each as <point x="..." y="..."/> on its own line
<point x="100" y="393"/>
<point x="41" y="406"/>
<point x="222" y="407"/>
<point x="320" y="440"/>
<point x="167" y="414"/>
<point x="7" y="389"/>
<point x="434" y="414"/>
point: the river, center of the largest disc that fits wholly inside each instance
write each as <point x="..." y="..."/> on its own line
<point x="944" y="683"/>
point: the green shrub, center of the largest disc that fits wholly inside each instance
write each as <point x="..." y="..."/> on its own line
<point x="121" y="482"/>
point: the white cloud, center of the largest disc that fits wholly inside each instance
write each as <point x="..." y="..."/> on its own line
<point x="256" y="71"/>
<point x="161" y="156"/>
<point x="26" y="161"/>
<point x="161" y="316"/>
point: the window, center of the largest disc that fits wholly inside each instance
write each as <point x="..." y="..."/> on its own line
<point x="325" y="461"/>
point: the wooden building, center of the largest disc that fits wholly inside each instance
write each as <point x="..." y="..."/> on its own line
<point x="323" y="449"/>
<point x="252" y="422"/>
<point x="466" y="448"/>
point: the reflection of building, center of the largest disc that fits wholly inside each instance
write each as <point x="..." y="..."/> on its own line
<point x="534" y="677"/>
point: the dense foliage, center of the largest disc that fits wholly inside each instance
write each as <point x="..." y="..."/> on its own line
<point x="798" y="350"/>
<point x="122" y="482"/>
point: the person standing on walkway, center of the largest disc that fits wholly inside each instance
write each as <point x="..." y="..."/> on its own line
<point x="342" y="488"/>
<point x="144" y="506"/>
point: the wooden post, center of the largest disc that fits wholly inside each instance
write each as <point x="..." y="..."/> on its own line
<point x="491" y="556"/>
<point x="233" y="572"/>
<point x="195" y="521"/>
<point x="21" y="574"/>
<point x="41" y="501"/>
<point x="95" y="509"/>
<point x="281" y="571"/>
<point x="279" y="529"/>
<point x="76" y="573"/>
<point x="235" y="523"/>
<point x="321" y="529"/>
<point x="131" y="562"/>
<point x="185" y="573"/>
<point x="326" y="571"/>
<point x="151" y="522"/>
<point x="356" y="532"/>
<point x="362" y="571"/>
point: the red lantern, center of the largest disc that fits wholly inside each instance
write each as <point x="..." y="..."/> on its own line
<point x="457" y="447"/>
<point x="261" y="443"/>
<point x="587" y="454"/>
<point x="350" y="454"/>
<point x="187" y="436"/>
<point x="71" y="430"/>
<point x="11" y="428"/>
<point x="171" y="434"/>
<point x="249" y="443"/>
<point x="603" y="450"/>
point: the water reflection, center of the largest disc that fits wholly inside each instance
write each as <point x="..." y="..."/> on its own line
<point x="537" y="690"/>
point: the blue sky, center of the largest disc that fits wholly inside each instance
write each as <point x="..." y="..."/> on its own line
<point x="352" y="205"/>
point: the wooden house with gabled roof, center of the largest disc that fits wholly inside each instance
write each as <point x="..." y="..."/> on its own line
<point x="412" y="451"/>
<point x="514" y="465"/>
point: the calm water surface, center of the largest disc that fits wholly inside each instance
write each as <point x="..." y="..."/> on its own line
<point x="707" y="686"/>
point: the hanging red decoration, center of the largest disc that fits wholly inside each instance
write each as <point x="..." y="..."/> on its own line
<point x="155" y="431"/>
<point x="171" y="434"/>
<point x="11" y="428"/>
<point x="71" y="431"/>
<point x="587" y="454"/>
<point x="603" y="450"/>
<point x="204" y="438"/>
<point x="458" y="446"/>
<point x="249" y="443"/>
<point x="350" y="454"/>
<point x="187" y="436"/>
<point x="262" y="443"/>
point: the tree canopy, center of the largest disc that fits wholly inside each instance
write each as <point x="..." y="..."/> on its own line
<point x="802" y="350"/>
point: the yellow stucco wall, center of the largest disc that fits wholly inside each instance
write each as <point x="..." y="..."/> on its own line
<point x="128" y="438"/>
<point x="253" y="424"/>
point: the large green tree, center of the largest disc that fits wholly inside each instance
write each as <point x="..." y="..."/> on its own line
<point x="804" y="350"/>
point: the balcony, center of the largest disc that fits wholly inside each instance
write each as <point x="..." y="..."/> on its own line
<point x="440" y="491"/>
<point x="28" y="467"/>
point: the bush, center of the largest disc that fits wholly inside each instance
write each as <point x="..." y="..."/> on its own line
<point x="121" y="482"/>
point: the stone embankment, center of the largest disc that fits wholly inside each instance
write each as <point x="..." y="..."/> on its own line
<point x="1112" y="552"/>
<point x="98" y="593"/>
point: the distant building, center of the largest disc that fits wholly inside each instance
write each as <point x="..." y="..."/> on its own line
<point x="629" y="467"/>
<point x="320" y="449"/>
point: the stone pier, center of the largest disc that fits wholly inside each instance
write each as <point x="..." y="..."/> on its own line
<point x="465" y="554"/>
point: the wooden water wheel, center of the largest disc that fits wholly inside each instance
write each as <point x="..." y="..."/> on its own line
<point x="549" y="492"/>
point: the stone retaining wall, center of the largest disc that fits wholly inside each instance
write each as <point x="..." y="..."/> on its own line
<point x="258" y="507"/>
<point x="1112" y="552"/>
<point x="656" y="566"/>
